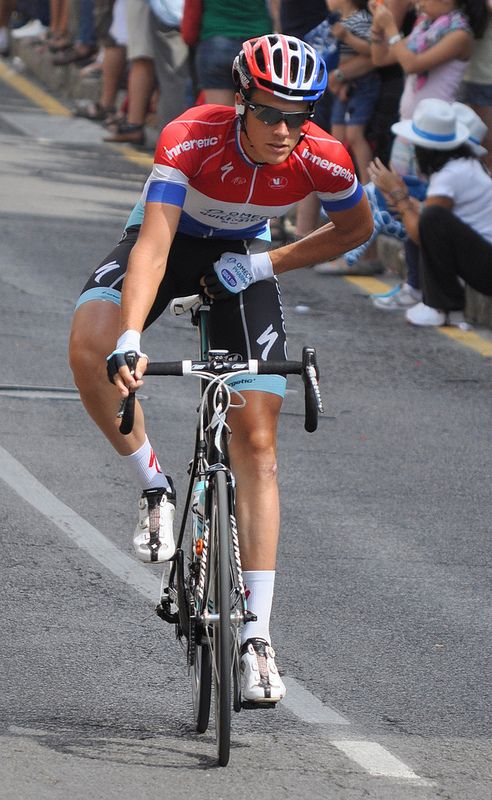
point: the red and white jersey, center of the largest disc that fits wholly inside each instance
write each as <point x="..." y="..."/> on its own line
<point x="200" y="165"/>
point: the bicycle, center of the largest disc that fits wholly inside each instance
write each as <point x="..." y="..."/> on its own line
<point x="205" y="596"/>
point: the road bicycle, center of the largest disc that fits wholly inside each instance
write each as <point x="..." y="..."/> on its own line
<point x="203" y="595"/>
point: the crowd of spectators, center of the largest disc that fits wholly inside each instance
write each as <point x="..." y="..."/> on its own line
<point x="384" y="58"/>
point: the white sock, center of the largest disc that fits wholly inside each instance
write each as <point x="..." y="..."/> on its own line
<point x="146" y="467"/>
<point x="259" y="594"/>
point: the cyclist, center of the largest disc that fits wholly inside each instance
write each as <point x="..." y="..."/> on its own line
<point x="219" y="175"/>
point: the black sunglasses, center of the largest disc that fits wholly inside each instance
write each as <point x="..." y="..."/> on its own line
<point x="272" y="116"/>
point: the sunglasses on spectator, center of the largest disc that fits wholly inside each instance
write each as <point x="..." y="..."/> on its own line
<point x="272" y="116"/>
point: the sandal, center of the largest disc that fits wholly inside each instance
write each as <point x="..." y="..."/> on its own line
<point x="127" y="133"/>
<point x="93" y="111"/>
<point x="74" y="56"/>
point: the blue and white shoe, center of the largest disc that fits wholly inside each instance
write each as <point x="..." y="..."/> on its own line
<point x="399" y="298"/>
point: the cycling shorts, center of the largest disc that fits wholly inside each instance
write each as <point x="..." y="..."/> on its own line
<point x="250" y="324"/>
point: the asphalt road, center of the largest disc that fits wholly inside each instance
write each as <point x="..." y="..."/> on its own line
<point x="382" y="615"/>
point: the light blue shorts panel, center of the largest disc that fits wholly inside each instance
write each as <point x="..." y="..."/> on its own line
<point x="272" y="384"/>
<point x="99" y="293"/>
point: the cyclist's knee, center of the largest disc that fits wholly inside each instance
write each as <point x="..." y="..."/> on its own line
<point x="87" y="352"/>
<point x="258" y="451"/>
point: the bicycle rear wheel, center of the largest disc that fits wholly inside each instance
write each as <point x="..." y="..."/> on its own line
<point x="222" y="640"/>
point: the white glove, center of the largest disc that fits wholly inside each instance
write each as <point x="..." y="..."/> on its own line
<point x="236" y="271"/>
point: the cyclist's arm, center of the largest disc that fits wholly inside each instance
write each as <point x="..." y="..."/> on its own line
<point x="346" y="230"/>
<point x="146" y="269"/>
<point x="147" y="263"/>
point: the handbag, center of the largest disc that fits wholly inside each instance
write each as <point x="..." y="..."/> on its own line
<point x="192" y="21"/>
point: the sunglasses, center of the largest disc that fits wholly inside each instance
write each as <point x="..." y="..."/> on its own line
<point x="272" y="116"/>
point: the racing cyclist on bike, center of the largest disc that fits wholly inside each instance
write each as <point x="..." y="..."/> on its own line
<point x="201" y="223"/>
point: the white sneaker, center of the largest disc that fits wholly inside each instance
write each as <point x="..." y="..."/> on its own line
<point x="424" y="315"/>
<point x="397" y="299"/>
<point x="260" y="681"/>
<point x="153" y="540"/>
<point x="34" y="28"/>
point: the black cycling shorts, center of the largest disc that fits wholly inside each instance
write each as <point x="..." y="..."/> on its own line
<point x="250" y="323"/>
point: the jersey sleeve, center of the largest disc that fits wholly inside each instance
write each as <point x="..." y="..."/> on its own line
<point x="174" y="164"/>
<point x="332" y="172"/>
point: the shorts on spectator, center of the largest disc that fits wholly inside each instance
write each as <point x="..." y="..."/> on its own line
<point x="476" y="94"/>
<point x="358" y="109"/>
<point x="140" y="43"/>
<point x="213" y="60"/>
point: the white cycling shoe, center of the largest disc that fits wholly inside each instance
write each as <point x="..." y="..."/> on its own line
<point x="260" y="681"/>
<point x="153" y="540"/>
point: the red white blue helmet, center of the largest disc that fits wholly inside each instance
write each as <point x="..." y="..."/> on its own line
<point x="283" y="65"/>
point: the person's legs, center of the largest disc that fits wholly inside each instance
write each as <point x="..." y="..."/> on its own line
<point x="113" y="67"/>
<point x="451" y="250"/>
<point x="359" y="147"/>
<point x="172" y="70"/>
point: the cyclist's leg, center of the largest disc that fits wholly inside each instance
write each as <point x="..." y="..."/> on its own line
<point x="252" y="324"/>
<point x="95" y="329"/>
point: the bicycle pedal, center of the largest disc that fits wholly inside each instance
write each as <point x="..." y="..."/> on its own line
<point x="252" y="706"/>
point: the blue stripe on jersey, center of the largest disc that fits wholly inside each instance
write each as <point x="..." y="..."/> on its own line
<point x="342" y="205"/>
<point x="163" y="192"/>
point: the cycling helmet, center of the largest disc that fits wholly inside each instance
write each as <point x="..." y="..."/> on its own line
<point x="282" y="65"/>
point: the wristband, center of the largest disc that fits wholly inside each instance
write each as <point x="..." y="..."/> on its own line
<point x="129" y="340"/>
<point x="397" y="37"/>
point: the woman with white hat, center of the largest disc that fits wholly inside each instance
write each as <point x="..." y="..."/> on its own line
<point x="454" y="228"/>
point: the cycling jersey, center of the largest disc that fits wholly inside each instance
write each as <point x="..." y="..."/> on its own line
<point x="201" y="166"/>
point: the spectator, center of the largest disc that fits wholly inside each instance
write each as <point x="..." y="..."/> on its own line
<point x="354" y="101"/>
<point x="226" y="24"/>
<point x="141" y="75"/>
<point x="84" y="49"/>
<point x="454" y="230"/>
<point x="170" y="59"/>
<point x="476" y="89"/>
<point x="113" y="34"/>
<point x="434" y="56"/>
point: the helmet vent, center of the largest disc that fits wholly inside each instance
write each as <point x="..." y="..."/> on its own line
<point x="278" y="63"/>
<point x="294" y="69"/>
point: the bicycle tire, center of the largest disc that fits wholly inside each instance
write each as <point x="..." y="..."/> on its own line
<point x="222" y="630"/>
<point x="201" y="686"/>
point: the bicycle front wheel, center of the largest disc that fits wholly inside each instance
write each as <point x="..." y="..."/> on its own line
<point x="222" y="639"/>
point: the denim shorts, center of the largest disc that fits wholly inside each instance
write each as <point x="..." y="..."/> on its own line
<point x="359" y="108"/>
<point x="213" y="62"/>
<point x="476" y="94"/>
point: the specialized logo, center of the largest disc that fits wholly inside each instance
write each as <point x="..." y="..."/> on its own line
<point x="279" y="182"/>
<point x="153" y="462"/>
<point x="336" y="169"/>
<point x="191" y="144"/>
<point x="268" y="338"/>
<point x="101" y="272"/>
<point x="225" y="170"/>
<point x="239" y="181"/>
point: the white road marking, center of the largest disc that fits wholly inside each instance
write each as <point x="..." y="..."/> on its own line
<point x="76" y="528"/>
<point x="372" y="757"/>
<point x="308" y="707"/>
<point x="376" y="760"/>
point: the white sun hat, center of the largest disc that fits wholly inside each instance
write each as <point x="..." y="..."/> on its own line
<point x="476" y="127"/>
<point x="434" y="125"/>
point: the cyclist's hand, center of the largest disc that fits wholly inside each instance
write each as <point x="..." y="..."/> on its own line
<point x="234" y="272"/>
<point x="118" y="361"/>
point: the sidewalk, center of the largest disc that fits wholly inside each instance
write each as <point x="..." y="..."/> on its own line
<point x="67" y="82"/>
